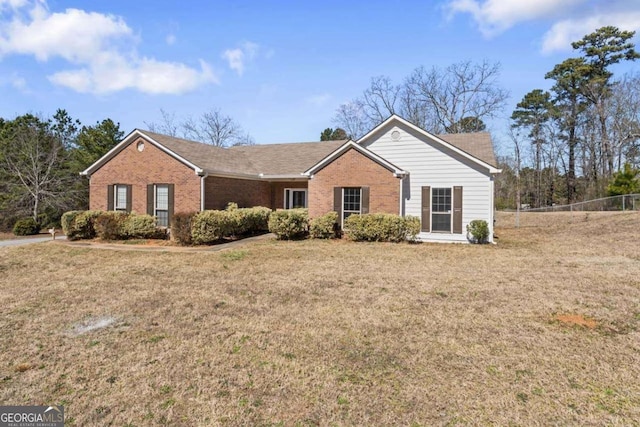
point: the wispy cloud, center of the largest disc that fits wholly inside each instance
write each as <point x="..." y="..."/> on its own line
<point x="101" y="47"/>
<point x="238" y="58"/>
<point x="569" y="20"/>
<point x="319" y="100"/>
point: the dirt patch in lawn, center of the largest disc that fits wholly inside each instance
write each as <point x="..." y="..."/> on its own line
<point x="576" y="320"/>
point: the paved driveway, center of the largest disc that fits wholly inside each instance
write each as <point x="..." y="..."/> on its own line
<point x="27" y="241"/>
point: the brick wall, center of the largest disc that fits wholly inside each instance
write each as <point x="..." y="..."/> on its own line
<point x="151" y="166"/>
<point x="353" y="169"/>
<point x="245" y="192"/>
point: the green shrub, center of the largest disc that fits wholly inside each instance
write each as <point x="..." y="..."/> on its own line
<point x="381" y="228"/>
<point x="26" y="227"/>
<point x="137" y="226"/>
<point x="251" y="220"/>
<point x="67" y="220"/>
<point x="181" y="227"/>
<point x="478" y="231"/>
<point x="325" y="226"/>
<point x="211" y="226"/>
<point x="81" y="226"/>
<point x="109" y="225"/>
<point x="412" y="225"/>
<point x="289" y="224"/>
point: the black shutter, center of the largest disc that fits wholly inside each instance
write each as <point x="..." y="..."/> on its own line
<point x="364" y="201"/>
<point x="150" y="201"/>
<point x="171" y="189"/>
<point x="109" y="197"/>
<point x="337" y="201"/>
<point x="426" y="209"/>
<point x="457" y="210"/>
<point x="129" y="197"/>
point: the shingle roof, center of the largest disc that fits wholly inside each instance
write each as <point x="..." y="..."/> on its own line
<point x="477" y="144"/>
<point x="290" y="158"/>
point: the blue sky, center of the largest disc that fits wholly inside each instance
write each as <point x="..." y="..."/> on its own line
<point x="280" y="68"/>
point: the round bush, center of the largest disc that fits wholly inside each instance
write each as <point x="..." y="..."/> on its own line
<point x="26" y="227"/>
<point x="478" y="231"/>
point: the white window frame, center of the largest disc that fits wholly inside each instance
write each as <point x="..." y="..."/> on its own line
<point x="449" y="212"/>
<point x="155" y="202"/>
<point x="358" y="212"/>
<point x="116" y="206"/>
<point x="288" y="199"/>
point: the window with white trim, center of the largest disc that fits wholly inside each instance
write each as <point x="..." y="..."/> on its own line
<point x="295" y="198"/>
<point x="351" y="202"/>
<point x="161" y="205"/>
<point x="441" y="209"/>
<point x="120" y="198"/>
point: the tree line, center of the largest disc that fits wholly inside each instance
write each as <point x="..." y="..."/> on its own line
<point x="40" y="164"/>
<point x="580" y="139"/>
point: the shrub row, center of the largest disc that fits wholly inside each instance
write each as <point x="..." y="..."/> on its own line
<point x="382" y="228"/>
<point x="109" y="225"/>
<point x="210" y="226"/>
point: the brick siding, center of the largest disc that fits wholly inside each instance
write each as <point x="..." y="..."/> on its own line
<point x="353" y="169"/>
<point x="151" y="166"/>
<point x="277" y="189"/>
<point x="245" y="192"/>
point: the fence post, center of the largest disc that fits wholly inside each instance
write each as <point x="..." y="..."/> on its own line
<point x="623" y="203"/>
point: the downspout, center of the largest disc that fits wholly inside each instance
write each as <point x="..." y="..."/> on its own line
<point x="202" y="178"/>
<point x="400" y="198"/>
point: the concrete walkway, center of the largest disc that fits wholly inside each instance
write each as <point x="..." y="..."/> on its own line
<point x="148" y="248"/>
<point x="28" y="241"/>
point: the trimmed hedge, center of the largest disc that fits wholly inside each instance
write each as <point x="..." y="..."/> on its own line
<point x="325" y="226"/>
<point x="109" y="225"/>
<point x="381" y="228"/>
<point x="181" y="227"/>
<point x="26" y="227"/>
<point x="478" y="231"/>
<point x="141" y="227"/>
<point x="289" y="224"/>
<point x="210" y="226"/>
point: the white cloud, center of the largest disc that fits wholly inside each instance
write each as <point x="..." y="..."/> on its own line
<point x="239" y="57"/>
<point x="562" y="33"/>
<point x="496" y="16"/>
<point x="101" y="46"/>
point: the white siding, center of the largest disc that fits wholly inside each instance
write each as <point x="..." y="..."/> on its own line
<point x="431" y="166"/>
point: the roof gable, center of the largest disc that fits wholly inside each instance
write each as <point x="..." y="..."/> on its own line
<point x="476" y="147"/>
<point x="362" y="150"/>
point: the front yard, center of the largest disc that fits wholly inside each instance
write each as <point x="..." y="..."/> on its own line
<point x="541" y="329"/>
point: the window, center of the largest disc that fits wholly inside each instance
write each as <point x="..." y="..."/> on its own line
<point x="295" y="198"/>
<point x="351" y="202"/>
<point x="161" y="208"/>
<point x="120" y="198"/>
<point x="441" y="210"/>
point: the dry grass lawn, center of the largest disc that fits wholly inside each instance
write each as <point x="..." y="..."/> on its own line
<point x="541" y="329"/>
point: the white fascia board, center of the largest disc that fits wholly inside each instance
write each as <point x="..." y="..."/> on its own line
<point x="136" y="133"/>
<point x="352" y="144"/>
<point x="492" y="169"/>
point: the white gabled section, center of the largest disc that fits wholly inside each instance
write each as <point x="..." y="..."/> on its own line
<point x="442" y="142"/>
<point x="362" y="150"/>
<point x="136" y="133"/>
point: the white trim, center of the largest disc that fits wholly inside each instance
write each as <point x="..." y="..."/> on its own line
<point x="342" y="207"/>
<point x="136" y="133"/>
<point x="400" y="198"/>
<point x="290" y="201"/>
<point x="117" y="208"/>
<point x="362" y="150"/>
<point x="392" y="118"/>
